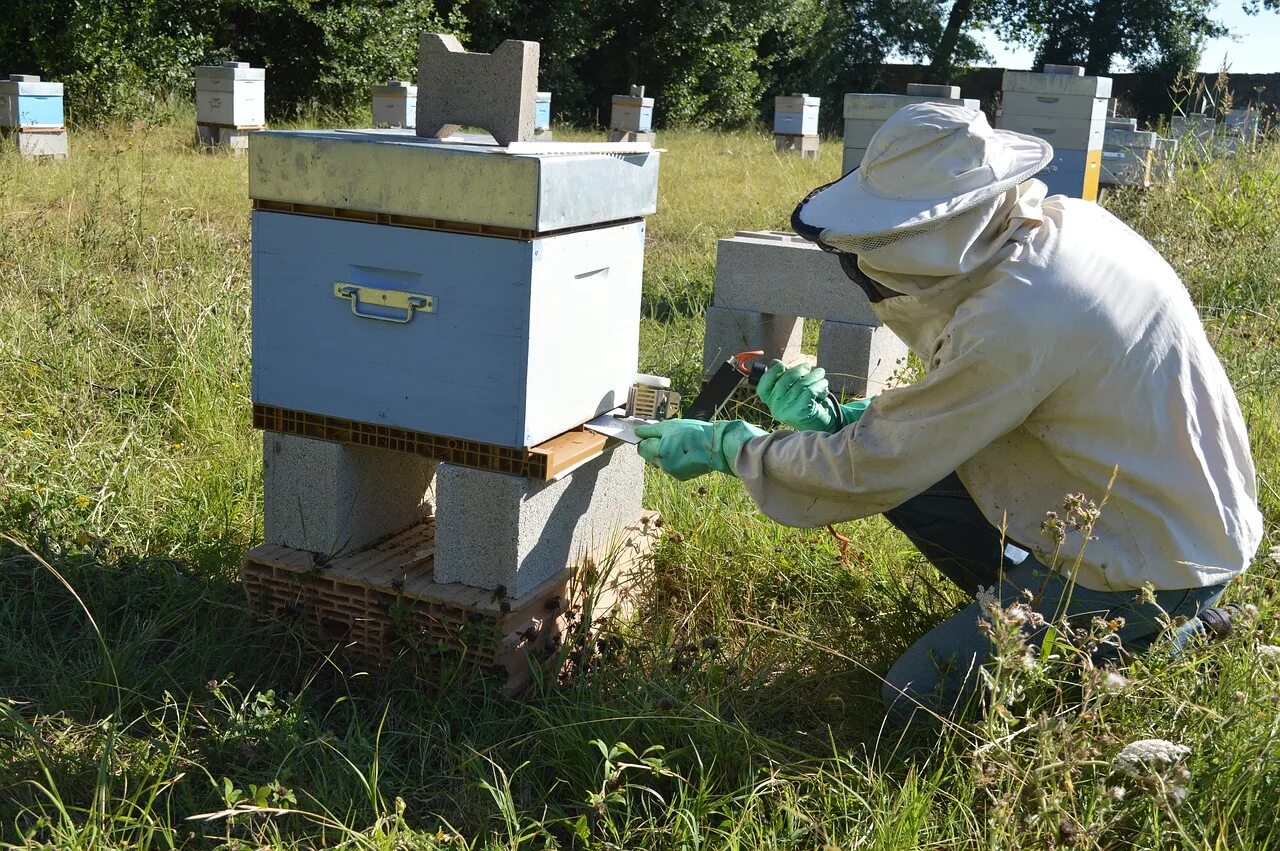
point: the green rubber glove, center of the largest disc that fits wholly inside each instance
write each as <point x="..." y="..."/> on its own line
<point x="798" y="397"/>
<point x="686" y="449"/>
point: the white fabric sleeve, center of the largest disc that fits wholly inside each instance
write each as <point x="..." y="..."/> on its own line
<point x="908" y="439"/>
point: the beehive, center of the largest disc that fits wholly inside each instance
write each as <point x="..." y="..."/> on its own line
<point x="395" y="104"/>
<point x="232" y="94"/>
<point x="29" y="103"/>
<point x="796" y="115"/>
<point x="1068" y="110"/>
<point x="864" y="113"/>
<point x="451" y="290"/>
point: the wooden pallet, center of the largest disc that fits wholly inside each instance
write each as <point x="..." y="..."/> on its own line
<point x="383" y="601"/>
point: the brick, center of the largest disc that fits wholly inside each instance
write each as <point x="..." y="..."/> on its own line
<point x="496" y="91"/>
<point x="332" y="499"/>
<point x="647" y="138"/>
<point x="859" y="359"/>
<point x="732" y="331"/>
<point x="498" y="531"/>
<point x="781" y="273"/>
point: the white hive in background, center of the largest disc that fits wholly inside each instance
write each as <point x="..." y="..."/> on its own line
<point x="795" y="124"/>
<point x="631" y="117"/>
<point x="1069" y="111"/>
<point x="865" y="112"/>
<point x="395" y="104"/>
<point x="230" y="104"/>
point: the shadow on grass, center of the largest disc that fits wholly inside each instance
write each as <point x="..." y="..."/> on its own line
<point x="175" y="685"/>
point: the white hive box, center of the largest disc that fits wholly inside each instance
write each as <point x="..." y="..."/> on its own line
<point x="865" y="112"/>
<point x="1069" y="111"/>
<point x="231" y="95"/>
<point x="395" y="104"/>
<point x="796" y="115"/>
<point x="450" y="288"/>
<point x="28" y="102"/>
<point x="633" y="112"/>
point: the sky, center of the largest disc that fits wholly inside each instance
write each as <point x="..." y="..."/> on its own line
<point x="1256" y="49"/>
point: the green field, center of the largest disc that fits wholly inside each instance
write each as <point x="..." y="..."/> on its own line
<point x="141" y="700"/>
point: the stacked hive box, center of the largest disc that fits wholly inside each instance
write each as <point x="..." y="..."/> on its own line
<point x="768" y="283"/>
<point x="230" y="104"/>
<point x="433" y="322"/>
<point x="1068" y="110"/>
<point x="864" y="113"/>
<point x="1194" y="132"/>
<point x="631" y="117"/>
<point x="795" y="124"/>
<point x="542" y="117"/>
<point x="31" y="115"/>
<point x="1128" y="154"/>
<point x="395" y="104"/>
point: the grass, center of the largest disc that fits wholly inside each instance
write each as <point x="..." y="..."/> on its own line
<point x="142" y="705"/>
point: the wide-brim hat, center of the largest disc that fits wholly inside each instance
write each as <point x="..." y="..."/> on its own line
<point x="926" y="163"/>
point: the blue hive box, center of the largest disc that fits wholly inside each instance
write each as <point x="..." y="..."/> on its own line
<point x="446" y="287"/>
<point x="542" y="111"/>
<point x="27" y="102"/>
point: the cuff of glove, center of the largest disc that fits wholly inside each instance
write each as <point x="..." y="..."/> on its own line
<point x="851" y="412"/>
<point x="727" y="438"/>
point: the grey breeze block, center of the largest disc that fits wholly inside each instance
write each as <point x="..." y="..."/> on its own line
<point x="783" y="273"/>
<point x="496" y="91"/>
<point x="333" y="498"/>
<point x="506" y="532"/>
<point x="731" y="331"/>
<point x="41" y="145"/>
<point x="214" y="137"/>
<point x="859" y="359"/>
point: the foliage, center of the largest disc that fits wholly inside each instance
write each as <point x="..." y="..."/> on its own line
<point x="123" y="60"/>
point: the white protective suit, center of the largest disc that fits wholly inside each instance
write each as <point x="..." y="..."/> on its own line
<point x="1061" y="349"/>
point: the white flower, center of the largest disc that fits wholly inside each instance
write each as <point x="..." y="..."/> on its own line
<point x="1116" y="793"/>
<point x="1144" y="757"/>
<point x="1275" y="554"/>
<point x="987" y="597"/>
<point x="1113" y="681"/>
<point x="1269" y="653"/>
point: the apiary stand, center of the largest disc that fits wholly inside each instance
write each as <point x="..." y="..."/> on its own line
<point x="768" y="283"/>
<point x="433" y="322"/>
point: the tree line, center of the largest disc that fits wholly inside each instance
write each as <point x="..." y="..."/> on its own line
<point x="709" y="62"/>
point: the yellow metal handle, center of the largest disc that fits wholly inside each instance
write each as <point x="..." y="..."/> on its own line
<point x="394" y="299"/>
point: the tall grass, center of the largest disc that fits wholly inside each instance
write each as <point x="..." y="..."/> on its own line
<point x="142" y="706"/>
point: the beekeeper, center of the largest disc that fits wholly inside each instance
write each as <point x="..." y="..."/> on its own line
<point x="1064" y="361"/>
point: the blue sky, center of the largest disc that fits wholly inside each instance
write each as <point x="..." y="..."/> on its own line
<point x="1256" y="49"/>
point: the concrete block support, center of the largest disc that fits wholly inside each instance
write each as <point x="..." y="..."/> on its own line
<point x="732" y="331"/>
<point x="648" y="138"/>
<point x="332" y="498"/>
<point x="496" y="91"/>
<point x="806" y="146"/>
<point x="781" y="273"/>
<point x="859" y="359"/>
<point x="39" y="145"/>
<point x="214" y="137"/>
<point x="498" y="531"/>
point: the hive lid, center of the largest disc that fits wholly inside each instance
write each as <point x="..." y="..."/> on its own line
<point x="1056" y="84"/>
<point x="529" y="186"/>
<point x="29" y="85"/>
<point x="230" y="71"/>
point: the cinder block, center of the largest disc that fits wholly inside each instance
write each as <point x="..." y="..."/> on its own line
<point x="41" y="145"/>
<point x="1070" y="70"/>
<point x="859" y="359"/>
<point x="732" y="331"/>
<point x="496" y="91"/>
<point x="782" y="273"/>
<point x="498" y="531"/>
<point x="648" y="138"/>
<point x="215" y="137"/>
<point x="332" y="498"/>
<point x="806" y="146"/>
